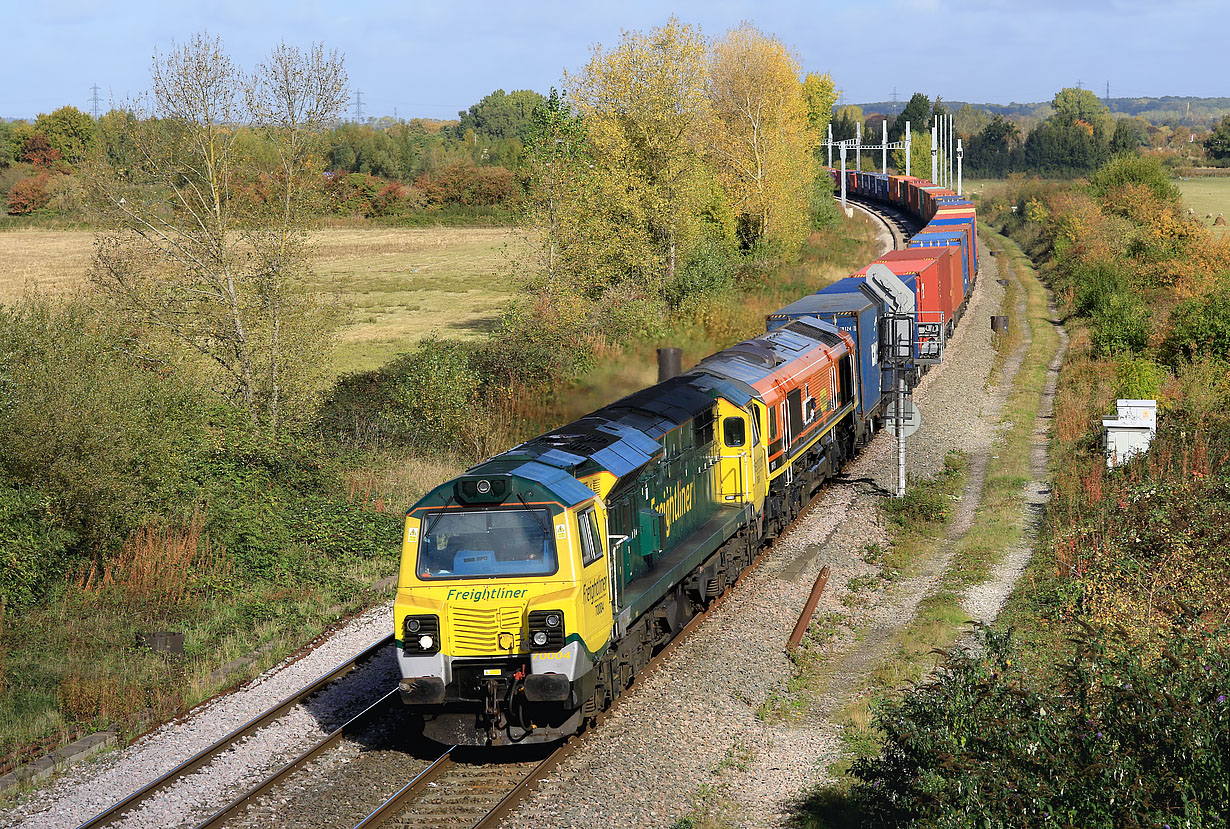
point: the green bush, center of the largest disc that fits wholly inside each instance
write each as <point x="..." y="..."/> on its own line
<point x="1133" y="168"/>
<point x="1138" y="379"/>
<point x="1200" y="326"/>
<point x="1120" y="324"/>
<point x="108" y="437"/>
<point x="708" y="274"/>
<point x="923" y="502"/>
<point x="34" y="545"/>
<point x="1094" y="284"/>
<point x="426" y="399"/>
<point x="1114" y="741"/>
<point x="822" y="210"/>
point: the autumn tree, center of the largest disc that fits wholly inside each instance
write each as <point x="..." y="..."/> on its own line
<point x="846" y="122"/>
<point x="969" y="121"/>
<point x="645" y="107"/>
<point x="555" y="179"/>
<point x="761" y="136"/>
<point x="69" y="131"/>
<point x="820" y="94"/>
<point x="503" y="115"/>
<point x="206" y="240"/>
<point x="1076" y="104"/>
<point x="995" y="151"/>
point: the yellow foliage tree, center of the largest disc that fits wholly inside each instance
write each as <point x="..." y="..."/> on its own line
<point x="644" y="104"/>
<point x="761" y="134"/>
<point x="820" y="93"/>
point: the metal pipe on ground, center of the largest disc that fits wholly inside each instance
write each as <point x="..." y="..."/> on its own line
<point x="808" y="609"/>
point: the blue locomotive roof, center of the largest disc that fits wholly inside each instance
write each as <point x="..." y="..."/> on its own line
<point x="738" y="393"/>
<point x="565" y="487"/>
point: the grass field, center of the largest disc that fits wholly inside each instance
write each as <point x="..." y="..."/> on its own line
<point x="394" y="285"/>
<point x="1208" y="197"/>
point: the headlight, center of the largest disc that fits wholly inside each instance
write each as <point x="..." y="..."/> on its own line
<point x="420" y="634"/>
<point x="546" y="630"/>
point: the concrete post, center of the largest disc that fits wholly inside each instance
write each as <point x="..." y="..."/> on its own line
<point x="960" y="153"/>
<point x="843" y="176"/>
<point x="884" y="147"/>
<point x="934" y="150"/>
<point x="909" y="146"/>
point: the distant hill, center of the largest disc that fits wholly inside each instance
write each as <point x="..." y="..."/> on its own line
<point x="1169" y="109"/>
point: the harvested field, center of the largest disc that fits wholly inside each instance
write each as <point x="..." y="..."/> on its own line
<point x="394" y="285"/>
<point x="45" y="260"/>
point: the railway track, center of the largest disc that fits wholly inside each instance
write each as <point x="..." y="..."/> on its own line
<point x="455" y="792"/>
<point x="899" y="226"/>
<point x="205" y="756"/>
<point x="461" y="787"/>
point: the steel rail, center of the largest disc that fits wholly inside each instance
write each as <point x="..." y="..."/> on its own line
<point x="413" y="789"/>
<point x="356" y="723"/>
<point x="396" y="804"/>
<point x="203" y="757"/>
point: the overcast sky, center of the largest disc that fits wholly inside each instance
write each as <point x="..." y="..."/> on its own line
<point x="432" y="59"/>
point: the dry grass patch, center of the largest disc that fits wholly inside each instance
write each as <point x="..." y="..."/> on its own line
<point x="391" y="285"/>
<point x="46" y="260"/>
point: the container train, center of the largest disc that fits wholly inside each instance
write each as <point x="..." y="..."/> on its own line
<point x="536" y="585"/>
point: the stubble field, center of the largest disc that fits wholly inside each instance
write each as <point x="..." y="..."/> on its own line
<point x="392" y="286"/>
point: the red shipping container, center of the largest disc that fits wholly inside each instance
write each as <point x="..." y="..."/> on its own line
<point x="897" y="188"/>
<point x="929" y="298"/>
<point x="951" y="283"/>
<point x="926" y="201"/>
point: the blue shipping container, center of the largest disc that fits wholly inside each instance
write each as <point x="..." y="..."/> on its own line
<point x="857" y="315"/>
<point x="940" y="240"/>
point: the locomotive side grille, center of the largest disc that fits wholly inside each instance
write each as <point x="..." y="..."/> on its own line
<point x="476" y="631"/>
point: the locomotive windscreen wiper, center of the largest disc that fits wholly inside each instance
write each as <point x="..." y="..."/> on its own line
<point x="546" y="530"/>
<point x="438" y="516"/>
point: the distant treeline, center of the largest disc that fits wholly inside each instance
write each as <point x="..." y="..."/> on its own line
<point x="1168" y="110"/>
<point x="1072" y="135"/>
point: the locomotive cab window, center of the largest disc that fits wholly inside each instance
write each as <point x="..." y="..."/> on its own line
<point x="734" y="432"/>
<point x="591" y="538"/>
<point x="487" y="544"/>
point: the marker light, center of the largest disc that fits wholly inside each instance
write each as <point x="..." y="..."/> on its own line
<point x="552" y="621"/>
<point x="413" y="625"/>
